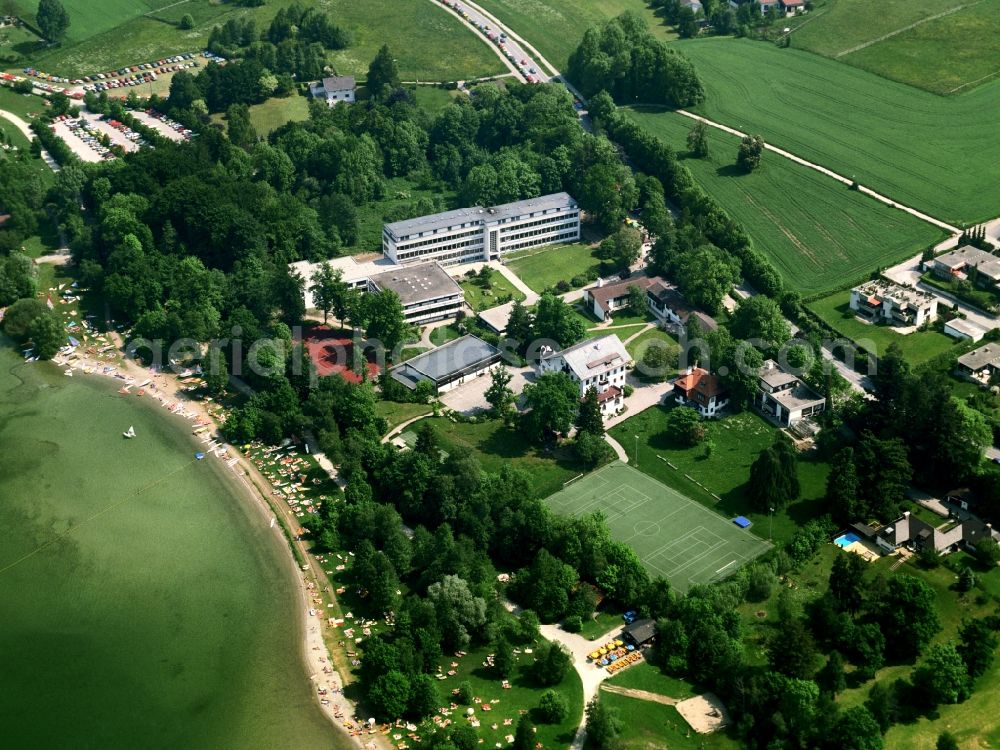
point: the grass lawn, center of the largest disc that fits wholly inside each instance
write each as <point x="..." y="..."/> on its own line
<point x="25" y="106"/>
<point x="622" y="332"/>
<point x="495" y="446"/>
<point x="433" y="99"/>
<point x="600" y="624"/>
<point x="673" y="535"/>
<point x="429" y="43"/>
<point x="647" y="725"/>
<point x="819" y="234"/>
<point x="541" y="268"/>
<point x="555" y="27"/>
<point x="395" y="414"/>
<point x="274" y="113"/>
<point x="523" y="695"/>
<point x="937" y="55"/>
<point x="930" y="152"/>
<point x="639" y="344"/>
<point x="984" y="299"/>
<point x="444" y="334"/>
<point x="399" y="194"/>
<point x="918" y="347"/>
<point x="644" y="676"/>
<point x="738" y="440"/>
<point x="500" y="289"/>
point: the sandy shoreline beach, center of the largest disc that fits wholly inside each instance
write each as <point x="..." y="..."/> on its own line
<point x="206" y="417"/>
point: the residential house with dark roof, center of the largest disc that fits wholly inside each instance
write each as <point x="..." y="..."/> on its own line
<point x="603" y="298"/>
<point x="910" y="532"/>
<point x="670" y="307"/>
<point x="700" y="390"/>
<point x="640" y="632"/>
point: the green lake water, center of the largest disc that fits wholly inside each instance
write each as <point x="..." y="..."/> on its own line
<point x="167" y="618"/>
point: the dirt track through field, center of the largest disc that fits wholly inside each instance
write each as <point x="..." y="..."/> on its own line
<point x="643" y="695"/>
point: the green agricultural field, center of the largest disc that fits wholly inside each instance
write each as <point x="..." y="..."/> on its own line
<point x="88" y="18"/>
<point x="937" y="154"/>
<point x="737" y="440"/>
<point x="555" y="27"/>
<point x="938" y="45"/>
<point x="918" y="347"/>
<point x="429" y="44"/>
<point x="945" y="55"/>
<point x="541" y="268"/>
<point x="818" y="233"/>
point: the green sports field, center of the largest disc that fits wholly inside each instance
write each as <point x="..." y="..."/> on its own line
<point x="674" y="537"/>
<point x="819" y="234"/>
<point x="937" y="154"/>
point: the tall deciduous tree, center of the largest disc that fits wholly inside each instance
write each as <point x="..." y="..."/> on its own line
<point x="697" y="140"/>
<point x="52" y="19"/>
<point x="499" y="395"/>
<point x="622" y="248"/>
<point x="943" y="677"/>
<point x="774" y="479"/>
<point x="383" y="74"/>
<point x="552" y="402"/>
<point x="759" y="317"/>
<point x="589" y="418"/>
<point x="706" y="275"/>
<point x="749" y="154"/>
<point x="603" y="726"/>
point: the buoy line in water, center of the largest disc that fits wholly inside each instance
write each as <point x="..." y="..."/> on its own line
<point x="91" y="517"/>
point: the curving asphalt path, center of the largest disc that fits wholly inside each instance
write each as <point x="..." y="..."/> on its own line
<point x="26" y="131"/>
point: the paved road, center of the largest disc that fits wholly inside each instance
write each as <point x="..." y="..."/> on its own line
<point x="26" y="132"/>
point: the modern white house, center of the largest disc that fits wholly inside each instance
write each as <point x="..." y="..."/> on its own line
<point x="600" y="363"/>
<point x="468" y="235"/>
<point x="334" y="90"/>
<point x="783" y="396"/>
<point x="426" y="290"/>
<point x="700" y="390"/>
<point x="881" y="300"/>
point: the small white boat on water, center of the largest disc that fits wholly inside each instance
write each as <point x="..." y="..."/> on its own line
<point x="129" y="433"/>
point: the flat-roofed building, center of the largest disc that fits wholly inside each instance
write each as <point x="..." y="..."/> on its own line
<point x="968" y="263"/>
<point x="600" y="363"/>
<point x="450" y="365"/>
<point x="783" y="396"/>
<point x="468" y="235"/>
<point x="354" y="273"/>
<point x="882" y="300"/>
<point x="426" y="291"/>
<point x="980" y="364"/>
<point x="964" y="329"/>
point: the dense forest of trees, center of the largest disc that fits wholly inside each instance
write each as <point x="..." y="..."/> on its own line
<point x="625" y="60"/>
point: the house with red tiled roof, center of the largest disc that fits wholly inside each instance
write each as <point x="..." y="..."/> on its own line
<point x="700" y="390"/>
<point x="790" y="7"/>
